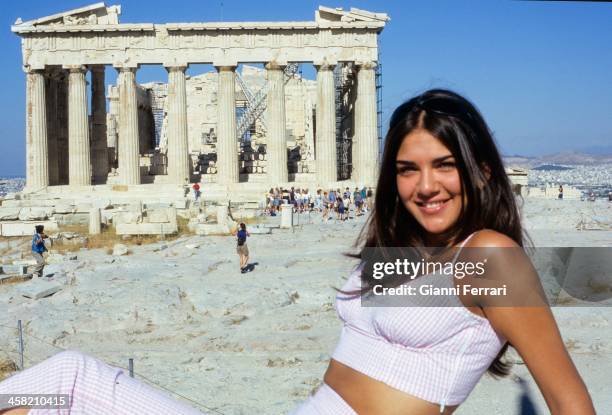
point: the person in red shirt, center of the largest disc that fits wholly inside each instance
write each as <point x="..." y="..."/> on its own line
<point x="196" y="191"/>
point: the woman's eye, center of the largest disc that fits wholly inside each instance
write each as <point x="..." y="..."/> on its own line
<point x="405" y="170"/>
<point x="447" y="165"/>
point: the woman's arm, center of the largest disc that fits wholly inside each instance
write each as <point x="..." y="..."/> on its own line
<point x="530" y="327"/>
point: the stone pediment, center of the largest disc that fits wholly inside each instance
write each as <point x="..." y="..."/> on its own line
<point x="328" y="14"/>
<point x="94" y="14"/>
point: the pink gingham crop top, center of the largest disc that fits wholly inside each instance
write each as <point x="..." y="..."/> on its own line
<point x="434" y="353"/>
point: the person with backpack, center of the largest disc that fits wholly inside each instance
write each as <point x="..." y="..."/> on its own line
<point x="242" y="249"/>
<point x="38" y="248"/>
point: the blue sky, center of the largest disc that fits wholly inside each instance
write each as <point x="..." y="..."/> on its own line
<point x="541" y="72"/>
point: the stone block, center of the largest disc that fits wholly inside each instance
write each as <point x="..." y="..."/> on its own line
<point x="145" y="228"/>
<point x="120" y="250"/>
<point x="65" y="208"/>
<point x="211" y="229"/>
<point x="26" y="228"/>
<point x="83" y="208"/>
<point x="14" y="269"/>
<point x="9" y="213"/>
<point x="34" y="214"/>
<point x="157" y="216"/>
<point x="259" y="230"/>
<point x="180" y="203"/>
<point x="128" y="218"/>
<point x="38" y="289"/>
<point x="13" y="278"/>
<point x="286" y="216"/>
<point x="102" y="204"/>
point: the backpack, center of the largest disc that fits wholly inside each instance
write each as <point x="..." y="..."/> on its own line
<point x="241" y="238"/>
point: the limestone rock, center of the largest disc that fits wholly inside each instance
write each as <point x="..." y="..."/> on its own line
<point x="8" y="213"/>
<point x="34" y="214"/>
<point x="38" y="289"/>
<point x="120" y="250"/>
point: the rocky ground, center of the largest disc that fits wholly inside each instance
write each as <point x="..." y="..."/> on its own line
<point x="259" y="343"/>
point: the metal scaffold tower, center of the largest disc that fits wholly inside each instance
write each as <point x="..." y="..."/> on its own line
<point x="157" y="108"/>
<point x="342" y="83"/>
<point x="379" y="98"/>
<point x="256" y="103"/>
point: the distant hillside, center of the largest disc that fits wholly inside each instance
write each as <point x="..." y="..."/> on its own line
<point x="565" y="158"/>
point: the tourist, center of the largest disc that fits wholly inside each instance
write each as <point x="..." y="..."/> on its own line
<point x="242" y="248"/>
<point x="560" y="192"/>
<point x="364" y="193"/>
<point x="609" y="196"/>
<point x="357" y="201"/>
<point x="38" y="248"/>
<point x="442" y="183"/>
<point x="332" y="203"/>
<point x="591" y="196"/>
<point x="325" y="203"/>
<point x="196" y="191"/>
<point x="286" y="196"/>
<point x="341" y="209"/>
<point x="370" y="198"/>
<point x="318" y="201"/>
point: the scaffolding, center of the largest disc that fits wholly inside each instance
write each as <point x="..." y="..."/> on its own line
<point x="379" y="100"/>
<point x="256" y="104"/>
<point x="343" y="81"/>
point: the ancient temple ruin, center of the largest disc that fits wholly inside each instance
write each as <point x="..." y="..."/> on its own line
<point x="263" y="125"/>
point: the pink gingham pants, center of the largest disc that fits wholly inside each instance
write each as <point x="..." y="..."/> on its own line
<point x="95" y="388"/>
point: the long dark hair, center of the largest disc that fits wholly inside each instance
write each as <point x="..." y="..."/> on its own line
<point x="458" y="124"/>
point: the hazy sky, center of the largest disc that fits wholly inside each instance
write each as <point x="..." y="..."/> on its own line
<point x="541" y="72"/>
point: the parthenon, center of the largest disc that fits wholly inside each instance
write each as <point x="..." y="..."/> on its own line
<point x="68" y="128"/>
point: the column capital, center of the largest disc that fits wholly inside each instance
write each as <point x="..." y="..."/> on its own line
<point x="225" y="68"/>
<point x="29" y="70"/>
<point x="324" y="65"/>
<point x="366" y="64"/>
<point x="75" y="68"/>
<point x="275" y="65"/>
<point x="125" y="67"/>
<point x="176" y="67"/>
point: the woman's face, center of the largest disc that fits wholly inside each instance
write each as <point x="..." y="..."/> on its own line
<point x="428" y="181"/>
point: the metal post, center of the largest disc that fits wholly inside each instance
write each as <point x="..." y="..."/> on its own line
<point x="20" y="328"/>
<point x="131" y="367"/>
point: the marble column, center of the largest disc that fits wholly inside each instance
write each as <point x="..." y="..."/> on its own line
<point x="365" y="140"/>
<point x="325" y="146"/>
<point x="227" y="143"/>
<point x="79" y="162"/>
<point x="37" y="169"/>
<point x="276" y="118"/>
<point x="99" y="154"/>
<point x="128" y="146"/>
<point x="62" y="119"/>
<point x="178" y="148"/>
<point x="51" y="95"/>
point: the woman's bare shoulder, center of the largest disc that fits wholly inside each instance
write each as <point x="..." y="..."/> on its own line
<point x="489" y="238"/>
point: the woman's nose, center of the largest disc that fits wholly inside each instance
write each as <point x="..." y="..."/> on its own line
<point x="427" y="184"/>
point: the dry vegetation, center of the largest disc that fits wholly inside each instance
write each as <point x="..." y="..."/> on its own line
<point x="108" y="238"/>
<point x="7" y="367"/>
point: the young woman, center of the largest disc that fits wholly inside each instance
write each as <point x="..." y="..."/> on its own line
<point x="441" y="184"/>
<point x="241" y="247"/>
